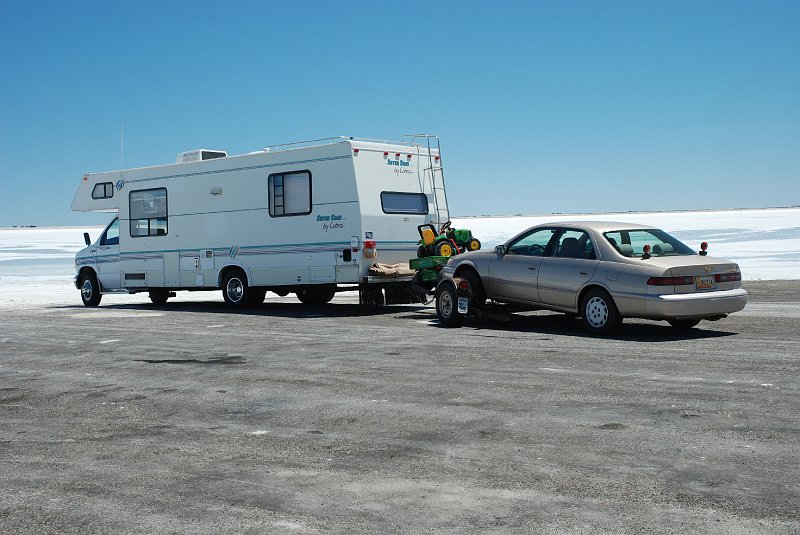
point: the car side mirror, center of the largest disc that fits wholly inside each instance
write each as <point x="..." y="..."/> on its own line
<point x="87" y="239"/>
<point x="500" y="249"/>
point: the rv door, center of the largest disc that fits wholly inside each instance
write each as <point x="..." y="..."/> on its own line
<point x="107" y="257"/>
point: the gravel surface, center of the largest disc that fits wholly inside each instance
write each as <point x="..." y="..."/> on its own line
<point x="189" y="418"/>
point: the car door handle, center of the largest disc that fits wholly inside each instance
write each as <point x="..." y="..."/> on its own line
<point x="584" y="272"/>
<point x="532" y="268"/>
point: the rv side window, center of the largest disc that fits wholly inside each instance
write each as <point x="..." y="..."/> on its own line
<point x="148" y="212"/>
<point x="289" y="193"/>
<point x="104" y="190"/>
<point x="404" y="203"/>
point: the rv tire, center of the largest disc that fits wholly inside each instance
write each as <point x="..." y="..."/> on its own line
<point x="235" y="291"/>
<point x="159" y="297"/>
<point x="90" y="289"/>
<point x="316" y="296"/>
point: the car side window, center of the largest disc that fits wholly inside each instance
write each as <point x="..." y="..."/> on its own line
<point x="111" y="235"/>
<point x="574" y="244"/>
<point x="532" y="244"/>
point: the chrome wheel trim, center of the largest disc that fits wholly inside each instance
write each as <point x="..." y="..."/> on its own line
<point x="596" y="312"/>
<point x="234" y="289"/>
<point x="87" y="289"/>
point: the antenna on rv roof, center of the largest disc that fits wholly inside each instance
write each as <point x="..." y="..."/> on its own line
<point x="121" y="147"/>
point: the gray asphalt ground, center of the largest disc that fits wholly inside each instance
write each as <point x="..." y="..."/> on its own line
<point x="189" y="418"/>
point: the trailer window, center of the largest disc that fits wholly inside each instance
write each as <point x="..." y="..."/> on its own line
<point x="289" y="193"/>
<point x="104" y="190"/>
<point x="404" y="203"/>
<point x="148" y="212"/>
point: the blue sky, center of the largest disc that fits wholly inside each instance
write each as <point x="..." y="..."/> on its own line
<point x="542" y="107"/>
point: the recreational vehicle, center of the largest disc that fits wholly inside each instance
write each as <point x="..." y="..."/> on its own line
<point x="309" y="218"/>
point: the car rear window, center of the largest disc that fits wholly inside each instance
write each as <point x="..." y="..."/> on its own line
<point x="631" y="243"/>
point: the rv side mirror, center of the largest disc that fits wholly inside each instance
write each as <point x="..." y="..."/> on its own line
<point x="86" y="238"/>
<point x="500" y="249"/>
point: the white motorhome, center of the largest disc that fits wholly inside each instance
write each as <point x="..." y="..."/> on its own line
<point x="311" y="218"/>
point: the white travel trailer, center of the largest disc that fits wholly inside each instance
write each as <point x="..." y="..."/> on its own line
<point x="311" y="218"/>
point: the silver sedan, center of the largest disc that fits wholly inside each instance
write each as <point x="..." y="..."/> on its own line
<point x="601" y="271"/>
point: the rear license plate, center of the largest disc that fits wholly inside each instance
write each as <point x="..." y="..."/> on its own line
<point x="704" y="282"/>
<point x="463" y="305"/>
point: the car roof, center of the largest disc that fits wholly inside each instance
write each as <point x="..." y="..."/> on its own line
<point x="598" y="226"/>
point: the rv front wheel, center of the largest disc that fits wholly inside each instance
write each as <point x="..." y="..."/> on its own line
<point x="90" y="290"/>
<point x="235" y="290"/>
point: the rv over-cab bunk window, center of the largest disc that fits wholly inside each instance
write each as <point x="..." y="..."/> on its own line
<point x="104" y="190"/>
<point x="289" y="193"/>
<point x="148" y="212"/>
<point x="394" y="202"/>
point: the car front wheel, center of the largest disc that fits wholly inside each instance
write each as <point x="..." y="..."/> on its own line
<point x="599" y="313"/>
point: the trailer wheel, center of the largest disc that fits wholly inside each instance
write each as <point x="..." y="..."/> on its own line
<point x="90" y="290"/>
<point x="159" y="297"/>
<point x="235" y="290"/>
<point x="447" y="306"/>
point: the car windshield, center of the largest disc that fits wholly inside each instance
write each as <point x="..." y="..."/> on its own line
<point x="631" y="243"/>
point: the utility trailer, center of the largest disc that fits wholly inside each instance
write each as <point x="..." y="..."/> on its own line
<point x="310" y="218"/>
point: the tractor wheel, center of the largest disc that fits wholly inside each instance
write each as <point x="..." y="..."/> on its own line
<point x="444" y="248"/>
<point x="473" y="244"/>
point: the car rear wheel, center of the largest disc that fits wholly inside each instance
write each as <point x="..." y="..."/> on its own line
<point x="447" y="306"/>
<point x="683" y="324"/>
<point x="478" y="293"/>
<point x="599" y="313"/>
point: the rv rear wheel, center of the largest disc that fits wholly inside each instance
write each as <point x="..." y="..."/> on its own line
<point x="90" y="290"/>
<point x="159" y="297"/>
<point x="235" y="290"/>
<point x="316" y="296"/>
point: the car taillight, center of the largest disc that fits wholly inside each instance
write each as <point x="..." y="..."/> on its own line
<point x="728" y="277"/>
<point x="370" y="249"/>
<point x="670" y="281"/>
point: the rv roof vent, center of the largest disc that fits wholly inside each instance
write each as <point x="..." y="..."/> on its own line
<point x="200" y="154"/>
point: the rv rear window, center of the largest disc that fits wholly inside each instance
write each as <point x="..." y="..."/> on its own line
<point x="289" y="193"/>
<point x="394" y="202"/>
<point x="148" y="211"/>
<point x="103" y="190"/>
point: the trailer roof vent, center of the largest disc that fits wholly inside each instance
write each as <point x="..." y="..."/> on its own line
<point x="200" y="154"/>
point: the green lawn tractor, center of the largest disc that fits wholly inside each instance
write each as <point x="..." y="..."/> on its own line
<point x="447" y="242"/>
